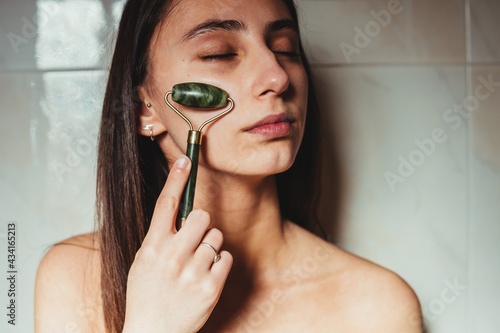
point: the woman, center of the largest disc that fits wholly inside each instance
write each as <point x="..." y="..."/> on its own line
<point x="256" y="175"/>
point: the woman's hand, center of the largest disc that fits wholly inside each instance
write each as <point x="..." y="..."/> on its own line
<point x="174" y="284"/>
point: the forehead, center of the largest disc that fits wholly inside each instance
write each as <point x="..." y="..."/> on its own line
<point x="186" y="14"/>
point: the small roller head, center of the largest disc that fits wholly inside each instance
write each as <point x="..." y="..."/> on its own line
<point x="199" y="95"/>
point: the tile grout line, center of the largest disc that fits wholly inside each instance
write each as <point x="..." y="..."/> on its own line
<point x="313" y="65"/>
<point x="395" y="64"/>
<point x="52" y="70"/>
<point x="468" y="144"/>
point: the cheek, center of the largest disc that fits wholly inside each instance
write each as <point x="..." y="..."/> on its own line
<point x="302" y="84"/>
<point x="176" y="131"/>
<point x="221" y="138"/>
<point x="214" y="135"/>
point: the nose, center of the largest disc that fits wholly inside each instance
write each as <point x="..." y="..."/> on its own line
<point x="270" y="77"/>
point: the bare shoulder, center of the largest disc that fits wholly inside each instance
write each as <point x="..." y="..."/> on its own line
<point x="67" y="287"/>
<point x="385" y="301"/>
<point x="357" y="288"/>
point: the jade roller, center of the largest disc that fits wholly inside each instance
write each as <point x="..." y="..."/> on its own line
<point x="199" y="96"/>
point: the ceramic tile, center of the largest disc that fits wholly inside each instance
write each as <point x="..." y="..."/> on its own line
<point x="47" y="143"/>
<point x="17" y="40"/>
<point x="484" y="110"/>
<point x="484" y="295"/>
<point x="50" y="34"/>
<point x="485" y="26"/>
<point x="47" y="184"/>
<point x="387" y="31"/>
<point x="396" y="120"/>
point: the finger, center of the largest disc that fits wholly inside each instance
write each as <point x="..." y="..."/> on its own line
<point x="206" y="255"/>
<point x="165" y="213"/>
<point x="221" y="268"/>
<point x="190" y="235"/>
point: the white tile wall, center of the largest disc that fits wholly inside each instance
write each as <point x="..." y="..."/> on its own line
<point x="48" y="131"/>
<point x="484" y="252"/>
<point x="485" y="28"/>
<point x="17" y="38"/>
<point x="417" y="226"/>
<point x="52" y="34"/>
<point x="385" y="31"/>
<point x="438" y="228"/>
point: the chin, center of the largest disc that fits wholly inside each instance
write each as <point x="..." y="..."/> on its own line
<point x="263" y="164"/>
<point x="250" y="159"/>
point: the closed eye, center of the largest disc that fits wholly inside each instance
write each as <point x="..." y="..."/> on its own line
<point x="225" y="56"/>
<point x="288" y="54"/>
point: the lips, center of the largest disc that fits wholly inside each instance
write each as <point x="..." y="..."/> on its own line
<point x="273" y="126"/>
<point x="272" y="119"/>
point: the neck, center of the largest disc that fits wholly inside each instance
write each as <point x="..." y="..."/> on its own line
<point x="248" y="214"/>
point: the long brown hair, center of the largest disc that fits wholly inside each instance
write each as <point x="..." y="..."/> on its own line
<point x="132" y="169"/>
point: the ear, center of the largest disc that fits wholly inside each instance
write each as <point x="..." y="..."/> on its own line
<point x="148" y="115"/>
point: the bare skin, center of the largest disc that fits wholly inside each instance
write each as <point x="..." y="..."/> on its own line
<point x="283" y="278"/>
<point x="328" y="290"/>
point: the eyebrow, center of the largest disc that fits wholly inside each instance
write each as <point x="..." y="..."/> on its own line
<point x="214" y="25"/>
<point x="282" y="25"/>
<point x="233" y="25"/>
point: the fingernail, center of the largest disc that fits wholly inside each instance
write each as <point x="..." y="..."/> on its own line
<point x="182" y="162"/>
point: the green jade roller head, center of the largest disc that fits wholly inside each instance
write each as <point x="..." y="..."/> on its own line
<point x="204" y="97"/>
<point x="199" y="95"/>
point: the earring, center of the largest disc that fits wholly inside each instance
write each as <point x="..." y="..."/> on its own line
<point x="148" y="105"/>
<point x="150" y="128"/>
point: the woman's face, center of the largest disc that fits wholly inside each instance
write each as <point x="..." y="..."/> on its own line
<point x="251" y="50"/>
